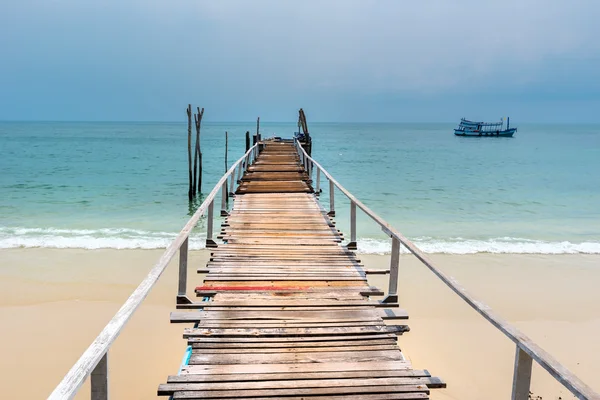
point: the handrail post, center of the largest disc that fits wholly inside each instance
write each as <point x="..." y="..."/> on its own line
<point x="231" y="183"/>
<point x="209" y="226"/>
<point x="183" y="262"/>
<point x="352" y="245"/>
<point x="331" y="212"/>
<point x="99" y="379"/>
<point x="392" y="296"/>
<point x="318" y="188"/>
<point x="224" y="212"/>
<point x="522" y="375"/>
<point x="239" y="172"/>
<point x="247" y="162"/>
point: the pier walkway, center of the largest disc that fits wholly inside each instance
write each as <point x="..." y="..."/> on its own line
<point x="287" y="311"/>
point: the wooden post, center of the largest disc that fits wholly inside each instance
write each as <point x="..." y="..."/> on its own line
<point x="392" y="296"/>
<point x="232" y="182"/>
<point x="331" y="212"/>
<point x="247" y="141"/>
<point x="318" y="188"/>
<point x="183" y="262"/>
<point x="257" y="128"/>
<point x="225" y="193"/>
<point x="239" y="172"/>
<point x="224" y="212"/>
<point x="198" y="151"/>
<point x="99" y="379"/>
<point x="352" y="244"/>
<point x="209" y="226"/>
<point x="522" y="375"/>
<point x="189" y="114"/>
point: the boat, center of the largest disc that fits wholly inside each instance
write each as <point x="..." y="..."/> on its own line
<point x="477" y="128"/>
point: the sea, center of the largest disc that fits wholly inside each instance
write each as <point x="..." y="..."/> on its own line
<point x="123" y="185"/>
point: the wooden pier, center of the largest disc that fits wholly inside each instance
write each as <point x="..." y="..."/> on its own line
<point x="288" y="313"/>
<point x="286" y="310"/>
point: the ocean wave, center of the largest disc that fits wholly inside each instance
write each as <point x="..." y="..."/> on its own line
<point x="504" y="245"/>
<point x="105" y="238"/>
<point x="127" y="238"/>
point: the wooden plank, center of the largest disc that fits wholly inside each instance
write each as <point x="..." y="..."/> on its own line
<point x="170" y="388"/>
<point x="387" y="396"/>
<point x="378" y="373"/>
<point x="215" y="394"/>
<point x="235" y="369"/>
<point x="293" y="303"/>
<point x="289" y="339"/>
<point x="316" y="349"/>
<point x="286" y="315"/>
<point x="399" y="329"/>
<point x="285" y="345"/>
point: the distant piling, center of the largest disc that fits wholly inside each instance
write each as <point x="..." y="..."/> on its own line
<point x="189" y="115"/>
<point x="226" y="143"/>
<point x="247" y="141"/>
<point x="198" y="153"/>
<point x="258" y="129"/>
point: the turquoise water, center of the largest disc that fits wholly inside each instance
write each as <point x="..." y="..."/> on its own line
<point x="124" y="185"/>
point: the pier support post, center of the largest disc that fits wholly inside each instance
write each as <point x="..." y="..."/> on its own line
<point x="352" y="244"/>
<point x="224" y="212"/>
<point x="183" y="263"/>
<point x="392" y="296"/>
<point x="247" y="141"/>
<point x="522" y="375"/>
<point x="99" y="379"/>
<point x="247" y="162"/>
<point x="239" y="172"/>
<point x="231" y="183"/>
<point x="209" y="226"/>
<point x="318" y="188"/>
<point x="331" y="212"/>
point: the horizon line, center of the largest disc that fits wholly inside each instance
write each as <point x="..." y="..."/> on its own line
<point x="274" y="122"/>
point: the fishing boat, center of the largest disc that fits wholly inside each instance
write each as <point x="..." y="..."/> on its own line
<point x="476" y="128"/>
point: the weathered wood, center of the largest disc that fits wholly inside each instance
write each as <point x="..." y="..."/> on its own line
<point x="355" y="396"/>
<point x="198" y="151"/>
<point x="296" y="346"/>
<point x="209" y="369"/>
<point x="183" y="263"/>
<point x="521" y="376"/>
<point x="191" y="184"/>
<point x="376" y="373"/>
<point x="392" y="296"/>
<point x="215" y="394"/>
<point x="170" y="388"/>
<point x="290" y="339"/>
<point x="190" y="332"/>
<point x="79" y="372"/>
<point x="99" y="380"/>
<point x="543" y="358"/>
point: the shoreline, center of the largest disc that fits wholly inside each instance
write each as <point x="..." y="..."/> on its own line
<point x="73" y="293"/>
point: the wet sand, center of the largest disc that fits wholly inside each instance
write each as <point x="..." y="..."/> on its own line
<point x="54" y="302"/>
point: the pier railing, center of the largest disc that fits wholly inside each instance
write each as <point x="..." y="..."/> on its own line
<point x="94" y="361"/>
<point x="526" y="349"/>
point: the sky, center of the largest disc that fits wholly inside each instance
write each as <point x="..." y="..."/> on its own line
<point x="346" y="60"/>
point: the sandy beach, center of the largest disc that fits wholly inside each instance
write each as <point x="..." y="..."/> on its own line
<point x="70" y="294"/>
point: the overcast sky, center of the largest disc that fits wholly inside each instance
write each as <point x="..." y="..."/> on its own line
<point x="382" y="61"/>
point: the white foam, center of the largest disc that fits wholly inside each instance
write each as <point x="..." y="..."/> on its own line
<point x="504" y="245"/>
<point x="107" y="238"/>
<point x="126" y="238"/>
